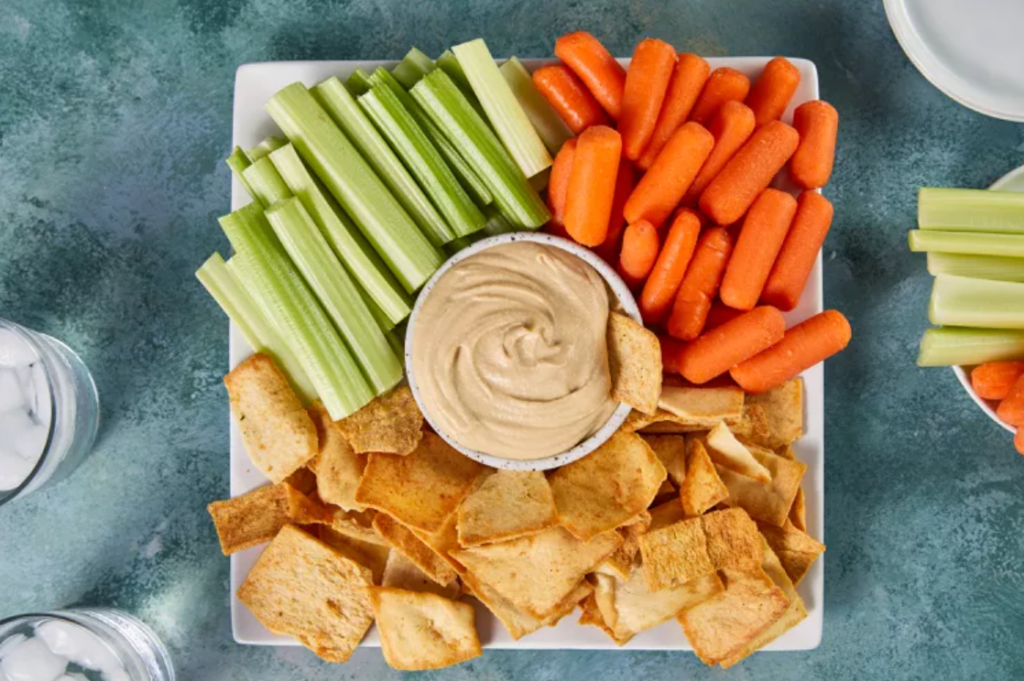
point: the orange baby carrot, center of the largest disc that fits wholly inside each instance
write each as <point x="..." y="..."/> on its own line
<point x="624" y="183"/>
<point x="771" y="93"/>
<point x="722" y="348"/>
<point x="646" y="84"/>
<point x="661" y="188"/>
<point x="668" y="272"/>
<point x="671" y="354"/>
<point x="993" y="380"/>
<point x="799" y="251"/>
<point x="595" y="166"/>
<point x="690" y="310"/>
<point x="1011" y="409"/>
<point x="748" y="172"/>
<point x="817" y="122"/>
<point x="764" y="230"/>
<point x="719" y="314"/>
<point x="688" y="77"/>
<point x="558" y="186"/>
<point x="803" y="346"/>
<point x="596" y="67"/>
<point x="723" y="85"/>
<point x="639" y="252"/>
<point x="731" y="127"/>
<point x="570" y="99"/>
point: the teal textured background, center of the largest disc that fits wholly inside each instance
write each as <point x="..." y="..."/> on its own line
<point x="114" y="119"/>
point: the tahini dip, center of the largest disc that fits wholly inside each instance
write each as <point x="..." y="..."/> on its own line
<point x="510" y="351"/>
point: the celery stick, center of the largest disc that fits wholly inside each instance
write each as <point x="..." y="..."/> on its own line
<point x="357" y="188"/>
<point x="967" y="243"/>
<point x="336" y="292"/>
<point x="448" y="63"/>
<point x="267" y="273"/>
<point x="414" y="66"/>
<point x="477" y="143"/>
<point x="351" y="247"/>
<point x="970" y="210"/>
<point x="962" y="301"/>
<point x="358" y="83"/>
<point x="497" y="223"/>
<point x="342" y="107"/>
<point x="540" y="180"/>
<point x="504" y="112"/>
<point x="268" y="145"/>
<point x="549" y="125"/>
<point x="423" y="160"/>
<point x="977" y="266"/>
<point x="259" y="331"/>
<point x="396" y="339"/>
<point x="266" y="185"/>
<point x="238" y="162"/>
<point x="966" y="347"/>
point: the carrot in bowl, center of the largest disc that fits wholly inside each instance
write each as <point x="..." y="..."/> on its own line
<point x="667" y="274"/>
<point x="803" y="346"/>
<point x="731" y="127"/>
<point x="646" y="84"/>
<point x="639" y="252"/>
<point x="624" y="183"/>
<point x="570" y="99"/>
<point x="588" y="205"/>
<point x="723" y="85"/>
<point x="764" y="230"/>
<point x="994" y="380"/>
<point x="818" y="123"/>
<point x="771" y="93"/>
<point x="688" y="77"/>
<point x="1011" y="409"/>
<point x="748" y="172"/>
<point x="663" y="186"/>
<point x="596" y="67"/>
<point x="793" y="267"/>
<point x="722" y="348"/>
<point x="558" y="186"/>
<point x="719" y="314"/>
<point x="693" y="302"/>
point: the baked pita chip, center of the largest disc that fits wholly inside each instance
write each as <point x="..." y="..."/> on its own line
<point x="519" y="622"/>
<point x="671" y="452"/>
<point x="725" y="450"/>
<point x="769" y="502"/>
<point x="607" y="487"/>
<point x="666" y="492"/>
<point x="303" y="479"/>
<point x="277" y="432"/>
<point x="796" y="550"/>
<point x="368" y="554"/>
<point x="250" y="519"/>
<point x="402" y="573"/>
<point x="591" y="614"/>
<point x="402" y="539"/>
<point x="357" y="525"/>
<point x="753" y="427"/>
<point x="338" y="468"/>
<point x="506" y="505"/>
<point x="798" y="512"/>
<point x="675" y="554"/>
<point x="307" y="510"/>
<point x="620" y="563"/>
<point x="702" y="488"/>
<point x="390" y="424"/>
<point x="665" y="514"/>
<point x="702" y="408"/>
<point x="733" y="540"/>
<point x="423" y="631"/>
<point x="422" y="488"/>
<point x="784" y="409"/>
<point x="634" y="358"/>
<point x="444" y="541"/>
<point x="303" y="588"/>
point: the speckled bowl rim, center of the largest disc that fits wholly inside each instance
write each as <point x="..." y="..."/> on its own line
<point x="626" y="302"/>
<point x="962" y="373"/>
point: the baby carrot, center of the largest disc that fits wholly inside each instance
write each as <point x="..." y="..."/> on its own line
<point x="722" y="348"/>
<point x="1011" y="409"/>
<point x="671" y="354"/>
<point x="661" y="188"/>
<point x="588" y="205"/>
<point x="799" y="251"/>
<point x="646" y="84"/>
<point x="764" y="230"/>
<point x="624" y="183"/>
<point x="748" y="172"/>
<point x="993" y="380"/>
<point x="596" y="67"/>
<point x="803" y="346"/>
<point x="688" y="78"/>
<point x="668" y="272"/>
<point x="723" y="85"/>
<point x="639" y="251"/>
<point x="811" y="165"/>
<point x="700" y="284"/>
<point x="719" y="314"/>
<point x="558" y="186"/>
<point x="771" y="93"/>
<point x="570" y="99"/>
<point x="731" y="127"/>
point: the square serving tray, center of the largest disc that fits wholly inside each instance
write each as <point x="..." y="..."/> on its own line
<point x="254" y="85"/>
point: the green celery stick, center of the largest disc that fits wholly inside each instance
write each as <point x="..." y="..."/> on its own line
<point x="549" y="125"/>
<point x="268" y="145"/>
<point x="970" y="210"/>
<point x="967" y="243"/>
<point x="448" y="63"/>
<point x="983" y="303"/>
<point x="358" y="82"/>
<point x="266" y="185"/>
<point x="977" y="266"/>
<point x="238" y="162"/>
<point x="414" y="66"/>
<point x="966" y="347"/>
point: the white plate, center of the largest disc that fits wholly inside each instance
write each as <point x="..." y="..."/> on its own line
<point x="970" y="49"/>
<point x="254" y="85"/>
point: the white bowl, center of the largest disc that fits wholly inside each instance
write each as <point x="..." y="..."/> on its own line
<point x="1012" y="181"/>
<point x="626" y="304"/>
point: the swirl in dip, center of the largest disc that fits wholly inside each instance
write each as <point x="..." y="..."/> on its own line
<point x="510" y="351"/>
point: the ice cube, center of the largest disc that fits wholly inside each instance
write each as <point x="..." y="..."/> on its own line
<point x="14" y="351"/>
<point x="29" y="443"/>
<point x="31" y="660"/>
<point x="79" y="645"/>
<point x="12" y="396"/>
<point x="13" y="469"/>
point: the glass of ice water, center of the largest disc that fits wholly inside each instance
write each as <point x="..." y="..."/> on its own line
<point x="49" y="410"/>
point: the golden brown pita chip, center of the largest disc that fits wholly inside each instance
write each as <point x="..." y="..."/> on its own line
<point x="390" y="424"/>
<point x="423" y="631"/>
<point x="305" y="510"/>
<point x="444" y="541"/>
<point x="422" y="488"/>
<point x="370" y="555"/>
<point x="702" y="408"/>
<point x="591" y="614"/>
<point x="795" y="549"/>
<point x="770" y="502"/>
<point x="675" y="554"/>
<point x="507" y="504"/>
<point x="402" y="573"/>
<point x="303" y="588"/>
<point x="798" y="512"/>
<point x="702" y="489"/>
<point x="303" y="479"/>
<point x="753" y="427"/>
<point x="665" y="514"/>
<point x="358" y="525"/>
<point x="607" y="487"/>
<point x="338" y="468"/>
<point x="671" y="451"/>
<point x="634" y="358"/>
<point x="250" y="519"/>
<point x="278" y="433"/>
<point x="733" y="540"/>
<point x="620" y="562"/>
<point x="402" y="539"/>
<point x="725" y="450"/>
<point x="784" y="409"/>
<point x="519" y="622"/>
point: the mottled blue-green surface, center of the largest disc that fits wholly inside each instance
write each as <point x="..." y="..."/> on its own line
<point x="114" y="118"/>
